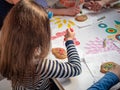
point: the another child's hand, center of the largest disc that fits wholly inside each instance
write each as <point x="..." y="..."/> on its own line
<point x="116" y="70"/>
<point x="70" y="34"/>
<point x="72" y="11"/>
<point x="94" y="5"/>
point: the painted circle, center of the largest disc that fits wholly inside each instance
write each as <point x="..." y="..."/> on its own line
<point x="117" y="37"/>
<point x="102" y="25"/>
<point x="111" y="30"/>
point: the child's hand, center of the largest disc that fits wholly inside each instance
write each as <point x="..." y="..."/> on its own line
<point x="94" y="5"/>
<point x="72" y="11"/>
<point x="70" y="34"/>
<point x="116" y="70"/>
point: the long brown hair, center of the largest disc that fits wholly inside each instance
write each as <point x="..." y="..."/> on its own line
<point x="25" y="28"/>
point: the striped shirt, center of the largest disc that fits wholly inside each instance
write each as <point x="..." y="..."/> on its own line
<point x="53" y="69"/>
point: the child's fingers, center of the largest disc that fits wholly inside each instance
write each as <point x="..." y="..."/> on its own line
<point x="66" y="33"/>
<point x="92" y="2"/>
<point x="88" y="5"/>
<point x="64" y="39"/>
<point x="71" y="29"/>
<point x="82" y="1"/>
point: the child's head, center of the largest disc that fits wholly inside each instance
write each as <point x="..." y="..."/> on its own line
<point x="25" y="28"/>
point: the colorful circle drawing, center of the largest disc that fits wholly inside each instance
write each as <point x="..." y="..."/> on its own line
<point x="117" y="22"/>
<point x="117" y="37"/>
<point x="111" y="30"/>
<point x="102" y="25"/>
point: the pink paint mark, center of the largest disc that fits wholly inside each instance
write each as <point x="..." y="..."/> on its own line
<point x="97" y="39"/>
<point x="96" y="46"/>
<point x="87" y="47"/>
<point x="64" y="32"/>
<point x="60" y="34"/>
<point x="53" y="37"/>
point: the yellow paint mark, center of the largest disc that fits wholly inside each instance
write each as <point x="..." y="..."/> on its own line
<point x="52" y="20"/>
<point x="71" y="22"/>
<point x="111" y="37"/>
<point x="57" y="18"/>
<point x="68" y="25"/>
<point x="64" y="21"/>
<point x="58" y="22"/>
<point x="60" y="25"/>
<point x="118" y="28"/>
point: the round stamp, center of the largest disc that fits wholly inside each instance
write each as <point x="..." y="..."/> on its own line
<point x="117" y="37"/>
<point x="102" y="25"/>
<point x="111" y="30"/>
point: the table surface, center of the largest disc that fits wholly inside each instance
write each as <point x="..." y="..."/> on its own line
<point x="94" y="41"/>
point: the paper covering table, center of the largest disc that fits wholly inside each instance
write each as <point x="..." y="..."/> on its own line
<point x="94" y="41"/>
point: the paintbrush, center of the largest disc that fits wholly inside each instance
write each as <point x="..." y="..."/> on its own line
<point x="104" y="43"/>
<point x="81" y="6"/>
<point x="77" y="2"/>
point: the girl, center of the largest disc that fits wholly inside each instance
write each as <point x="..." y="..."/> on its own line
<point x="24" y="46"/>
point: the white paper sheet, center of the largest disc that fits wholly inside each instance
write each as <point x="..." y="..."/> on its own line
<point x="94" y="62"/>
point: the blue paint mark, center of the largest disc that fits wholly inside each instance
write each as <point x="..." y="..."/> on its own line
<point x="102" y="25"/>
<point x="117" y="22"/>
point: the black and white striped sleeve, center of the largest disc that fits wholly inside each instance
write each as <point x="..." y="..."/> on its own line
<point x="53" y="68"/>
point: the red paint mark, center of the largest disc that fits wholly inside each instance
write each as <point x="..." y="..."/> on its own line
<point x="61" y="51"/>
<point x="111" y="30"/>
<point x="77" y="43"/>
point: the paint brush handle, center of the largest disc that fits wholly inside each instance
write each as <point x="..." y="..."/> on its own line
<point x="77" y="2"/>
<point x="81" y="7"/>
